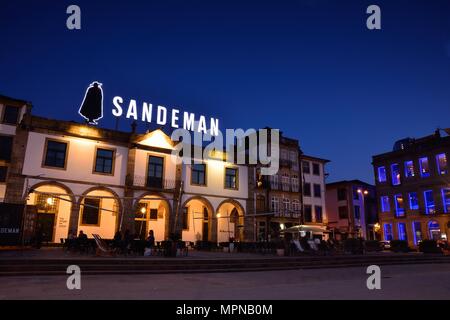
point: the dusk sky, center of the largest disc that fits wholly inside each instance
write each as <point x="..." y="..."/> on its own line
<point x="310" y="68"/>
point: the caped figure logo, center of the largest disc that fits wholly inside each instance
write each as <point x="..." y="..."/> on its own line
<point x="92" y="106"/>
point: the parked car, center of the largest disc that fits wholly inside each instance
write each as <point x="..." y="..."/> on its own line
<point x="386" y="245"/>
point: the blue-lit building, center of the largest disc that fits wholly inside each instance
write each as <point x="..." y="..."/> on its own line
<point x="413" y="189"/>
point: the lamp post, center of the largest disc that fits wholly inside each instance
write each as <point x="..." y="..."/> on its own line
<point x="362" y="217"/>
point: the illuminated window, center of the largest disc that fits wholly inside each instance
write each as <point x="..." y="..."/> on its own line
<point x="429" y="202"/>
<point x="446" y="200"/>
<point x="434" y="230"/>
<point x="308" y="213"/>
<point x="424" y="167"/>
<point x="395" y="173"/>
<point x="198" y="174"/>
<point x="55" y="155"/>
<point x="385" y="206"/>
<point x="91" y="211"/>
<point x="388" y="231"/>
<point x="231" y="178"/>
<point x="381" y="174"/>
<point x="104" y="161"/>
<point x="417" y="229"/>
<point x="319" y="213"/>
<point x="306" y="167"/>
<point x="441" y="160"/>
<point x="399" y="206"/>
<point x="402" y="231"/>
<point x="10" y="115"/>
<point x="409" y="169"/>
<point x="46" y="203"/>
<point x="413" y="201"/>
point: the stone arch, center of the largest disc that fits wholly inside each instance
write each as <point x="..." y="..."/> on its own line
<point x="60" y="213"/>
<point x="161" y="230"/>
<point x="56" y="184"/>
<point x="104" y="228"/>
<point x="238" y="225"/>
<point x="212" y="221"/>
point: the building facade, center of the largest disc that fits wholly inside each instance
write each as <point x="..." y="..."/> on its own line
<point x="281" y="201"/>
<point x="313" y="194"/>
<point x="76" y="177"/>
<point x="351" y="208"/>
<point x="413" y="189"/>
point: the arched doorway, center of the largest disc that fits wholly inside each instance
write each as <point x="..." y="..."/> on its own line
<point x="99" y="212"/>
<point x="152" y="213"/>
<point x="434" y="230"/>
<point x="197" y="220"/>
<point x="230" y="221"/>
<point x="53" y="203"/>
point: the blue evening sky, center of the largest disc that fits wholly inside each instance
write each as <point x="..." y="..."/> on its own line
<point x="310" y="68"/>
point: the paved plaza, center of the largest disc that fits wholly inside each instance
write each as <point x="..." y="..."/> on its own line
<point x="421" y="281"/>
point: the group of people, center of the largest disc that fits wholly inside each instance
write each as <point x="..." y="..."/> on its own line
<point x="123" y="243"/>
<point x="79" y="242"/>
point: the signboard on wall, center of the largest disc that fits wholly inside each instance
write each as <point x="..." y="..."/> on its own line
<point x="10" y="223"/>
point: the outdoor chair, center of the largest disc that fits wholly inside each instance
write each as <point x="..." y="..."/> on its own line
<point x="102" y="247"/>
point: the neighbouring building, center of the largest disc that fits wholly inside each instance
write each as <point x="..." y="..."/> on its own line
<point x="351" y="208"/>
<point x="279" y="200"/>
<point x="11" y="113"/>
<point x="413" y="189"/>
<point x="76" y="177"/>
<point x="313" y="192"/>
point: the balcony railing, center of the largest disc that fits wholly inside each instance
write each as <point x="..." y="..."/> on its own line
<point x="281" y="213"/>
<point x="154" y="183"/>
<point x="284" y="186"/>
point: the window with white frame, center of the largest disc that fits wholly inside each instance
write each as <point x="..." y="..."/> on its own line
<point x="295" y="183"/>
<point x="285" y="181"/>
<point x="295" y="205"/>
<point x="275" y="204"/>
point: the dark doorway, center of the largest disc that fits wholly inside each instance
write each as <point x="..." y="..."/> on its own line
<point x="46" y="221"/>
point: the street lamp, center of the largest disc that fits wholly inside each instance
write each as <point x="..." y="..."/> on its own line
<point x="363" y="193"/>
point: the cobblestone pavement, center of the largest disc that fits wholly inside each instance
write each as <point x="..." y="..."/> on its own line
<point x="426" y="281"/>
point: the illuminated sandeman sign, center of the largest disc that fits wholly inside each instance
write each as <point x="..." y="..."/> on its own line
<point x="160" y="115"/>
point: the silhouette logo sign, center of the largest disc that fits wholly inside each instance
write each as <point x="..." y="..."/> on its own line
<point x="92" y="106"/>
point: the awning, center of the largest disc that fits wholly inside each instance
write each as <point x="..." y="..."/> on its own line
<point x="305" y="228"/>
